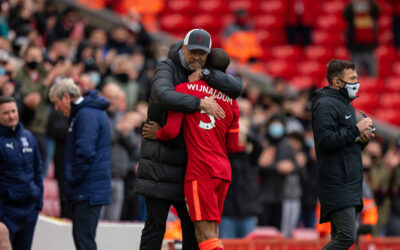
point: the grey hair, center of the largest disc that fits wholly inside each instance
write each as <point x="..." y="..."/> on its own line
<point x="65" y="86"/>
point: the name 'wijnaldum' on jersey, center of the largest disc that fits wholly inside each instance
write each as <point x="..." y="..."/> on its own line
<point x="211" y="91"/>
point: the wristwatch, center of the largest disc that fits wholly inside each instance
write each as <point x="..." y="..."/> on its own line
<point x="205" y="73"/>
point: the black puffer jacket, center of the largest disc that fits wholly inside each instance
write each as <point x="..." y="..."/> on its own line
<point x="162" y="165"/>
<point x="339" y="164"/>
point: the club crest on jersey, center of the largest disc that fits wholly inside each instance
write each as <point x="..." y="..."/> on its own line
<point x="25" y="142"/>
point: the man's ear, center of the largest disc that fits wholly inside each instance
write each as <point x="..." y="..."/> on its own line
<point x="67" y="97"/>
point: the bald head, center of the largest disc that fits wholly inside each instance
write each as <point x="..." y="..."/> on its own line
<point x="112" y="93"/>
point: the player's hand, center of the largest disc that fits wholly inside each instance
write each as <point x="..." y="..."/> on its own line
<point x="195" y="76"/>
<point x="150" y="130"/>
<point x="365" y="137"/>
<point x="211" y="107"/>
<point x="364" y="125"/>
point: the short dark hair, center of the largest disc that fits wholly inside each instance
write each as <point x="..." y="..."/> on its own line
<point x="336" y="68"/>
<point x="218" y="59"/>
<point x="7" y="99"/>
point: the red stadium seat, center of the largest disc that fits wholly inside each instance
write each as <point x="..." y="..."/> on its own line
<point x="268" y="21"/>
<point x="180" y="6"/>
<point x="388" y="115"/>
<point x="385" y="37"/>
<point x="396" y="68"/>
<point x="215" y="7"/>
<point x="371" y="85"/>
<point x="302" y="82"/>
<point x="367" y="103"/>
<point x="385" y="53"/>
<point x="385" y="22"/>
<point x="175" y="23"/>
<point x="311" y="68"/>
<point x="280" y="68"/>
<point x="328" y="38"/>
<point x="318" y="53"/>
<point x="331" y="23"/>
<point x="392" y="85"/>
<point x="240" y="4"/>
<point x="208" y="22"/>
<point x="270" y="38"/>
<point x="333" y="7"/>
<point x="390" y="101"/>
<point x="264" y="232"/>
<point x="341" y="53"/>
<point x="286" y="52"/>
<point x="272" y="7"/>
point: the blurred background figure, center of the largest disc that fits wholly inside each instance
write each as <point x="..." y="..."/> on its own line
<point x="241" y="22"/>
<point x="362" y="34"/>
<point x="301" y="20"/>
<point x="242" y="205"/>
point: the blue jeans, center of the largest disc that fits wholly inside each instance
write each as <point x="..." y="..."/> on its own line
<point x="236" y="228"/>
<point x="84" y="223"/>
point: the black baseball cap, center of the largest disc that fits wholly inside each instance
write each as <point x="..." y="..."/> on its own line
<point x="198" y="39"/>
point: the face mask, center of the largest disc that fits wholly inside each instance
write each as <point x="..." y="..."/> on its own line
<point x="352" y="88"/>
<point x="123" y="77"/>
<point x="95" y="77"/>
<point x="33" y="64"/>
<point x="309" y="142"/>
<point x="2" y="71"/>
<point x="276" y="130"/>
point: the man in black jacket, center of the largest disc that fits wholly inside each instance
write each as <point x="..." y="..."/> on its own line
<point x="339" y="139"/>
<point x="162" y="165"/>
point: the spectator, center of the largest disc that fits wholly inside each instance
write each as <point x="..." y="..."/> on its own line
<point x="57" y="130"/>
<point x="309" y="183"/>
<point x="276" y="161"/>
<point x="21" y="184"/>
<point x="35" y="82"/>
<point x="396" y="22"/>
<point x="242" y="205"/>
<point x="362" y="34"/>
<point x="118" y="41"/>
<point x="87" y="158"/>
<point x="392" y="160"/>
<point x="241" y="23"/>
<point x="162" y="165"/>
<point x="381" y="179"/>
<point x="123" y="147"/>
<point x="301" y="20"/>
<point x="124" y="75"/>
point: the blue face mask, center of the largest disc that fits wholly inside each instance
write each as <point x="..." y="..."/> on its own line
<point x="309" y="142"/>
<point x="2" y="71"/>
<point x="276" y="130"/>
<point x="95" y="77"/>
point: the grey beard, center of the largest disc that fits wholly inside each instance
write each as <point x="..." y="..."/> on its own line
<point x="182" y="57"/>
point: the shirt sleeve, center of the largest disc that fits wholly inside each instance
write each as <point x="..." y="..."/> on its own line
<point x="172" y="127"/>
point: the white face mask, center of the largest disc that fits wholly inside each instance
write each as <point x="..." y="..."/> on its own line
<point x="352" y="89"/>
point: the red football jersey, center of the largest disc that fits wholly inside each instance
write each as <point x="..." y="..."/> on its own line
<point x="207" y="139"/>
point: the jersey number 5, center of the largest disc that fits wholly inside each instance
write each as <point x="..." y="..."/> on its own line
<point x="207" y="125"/>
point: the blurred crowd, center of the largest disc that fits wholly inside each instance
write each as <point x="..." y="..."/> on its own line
<point x="273" y="181"/>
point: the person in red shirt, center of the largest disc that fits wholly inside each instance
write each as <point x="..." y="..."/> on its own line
<point x="208" y="172"/>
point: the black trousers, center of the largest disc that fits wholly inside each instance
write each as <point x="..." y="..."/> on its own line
<point x="154" y="227"/>
<point x="85" y="218"/>
<point x="343" y="229"/>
